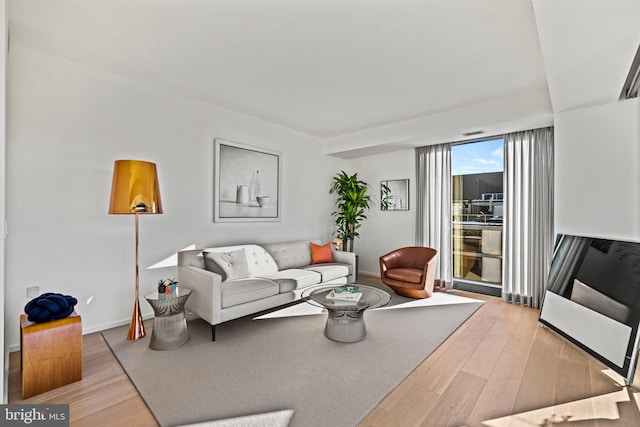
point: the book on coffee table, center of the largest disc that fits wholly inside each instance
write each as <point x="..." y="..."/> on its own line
<point x="346" y="293"/>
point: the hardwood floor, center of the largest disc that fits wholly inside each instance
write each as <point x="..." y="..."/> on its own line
<point x="104" y="397"/>
<point x="500" y="368"/>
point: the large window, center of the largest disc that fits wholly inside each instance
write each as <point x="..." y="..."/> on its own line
<point x="477" y="191"/>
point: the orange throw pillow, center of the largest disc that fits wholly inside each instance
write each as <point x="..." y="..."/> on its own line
<point x="321" y="254"/>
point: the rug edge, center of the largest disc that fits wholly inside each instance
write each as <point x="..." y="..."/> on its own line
<point x="128" y="376"/>
<point x="478" y="303"/>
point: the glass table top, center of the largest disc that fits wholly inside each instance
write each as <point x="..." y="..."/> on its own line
<point x="371" y="298"/>
<point x="179" y="292"/>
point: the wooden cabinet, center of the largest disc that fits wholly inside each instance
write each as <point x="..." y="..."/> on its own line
<point x="51" y="353"/>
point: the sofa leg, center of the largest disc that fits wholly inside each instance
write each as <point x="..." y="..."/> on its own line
<point x="213" y="332"/>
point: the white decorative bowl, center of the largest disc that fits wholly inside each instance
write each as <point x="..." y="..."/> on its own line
<point x="263" y="200"/>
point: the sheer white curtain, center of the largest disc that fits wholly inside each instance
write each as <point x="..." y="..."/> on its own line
<point x="569" y="252"/>
<point x="528" y="215"/>
<point x="433" y="211"/>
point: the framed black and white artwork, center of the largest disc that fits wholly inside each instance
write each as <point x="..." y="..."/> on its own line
<point x="246" y="182"/>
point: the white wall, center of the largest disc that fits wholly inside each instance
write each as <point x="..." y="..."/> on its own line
<point x="597" y="171"/>
<point x="4" y="362"/>
<point x="67" y="124"/>
<point x="384" y="231"/>
<point x="597" y="181"/>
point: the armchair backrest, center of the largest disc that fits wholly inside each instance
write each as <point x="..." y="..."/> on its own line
<point x="411" y="256"/>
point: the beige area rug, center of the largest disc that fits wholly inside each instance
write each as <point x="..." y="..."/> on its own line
<point x="281" y="361"/>
<point x="270" y="419"/>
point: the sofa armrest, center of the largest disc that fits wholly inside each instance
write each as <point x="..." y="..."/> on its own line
<point x="347" y="258"/>
<point x="206" y="294"/>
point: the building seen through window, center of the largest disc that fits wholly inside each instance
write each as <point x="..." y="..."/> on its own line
<point x="477" y="212"/>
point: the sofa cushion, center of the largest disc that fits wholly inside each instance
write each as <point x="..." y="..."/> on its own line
<point x="410" y="275"/>
<point x="330" y="271"/>
<point x="230" y="265"/>
<point x="240" y="291"/>
<point x="303" y="278"/>
<point x="286" y="285"/>
<point x="321" y="253"/>
<point x="259" y="261"/>
<point x="290" y="254"/>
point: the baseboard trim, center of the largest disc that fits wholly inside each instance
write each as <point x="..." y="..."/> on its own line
<point x="478" y="288"/>
<point x="97" y="328"/>
<point x="367" y="276"/>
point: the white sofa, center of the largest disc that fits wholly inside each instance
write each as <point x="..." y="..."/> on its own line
<point x="235" y="281"/>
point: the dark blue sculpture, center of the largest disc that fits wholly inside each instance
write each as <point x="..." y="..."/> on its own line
<point x="49" y="306"/>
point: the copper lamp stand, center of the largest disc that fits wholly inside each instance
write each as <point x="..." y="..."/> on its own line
<point x="136" y="327"/>
<point x="134" y="190"/>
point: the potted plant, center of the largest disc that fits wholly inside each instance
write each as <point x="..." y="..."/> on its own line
<point x="351" y="203"/>
<point x="173" y="283"/>
<point x="385" y="192"/>
<point x="167" y="286"/>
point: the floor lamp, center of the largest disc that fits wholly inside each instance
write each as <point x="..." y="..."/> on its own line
<point x="135" y="191"/>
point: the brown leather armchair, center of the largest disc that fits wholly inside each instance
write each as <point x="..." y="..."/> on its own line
<point x="410" y="271"/>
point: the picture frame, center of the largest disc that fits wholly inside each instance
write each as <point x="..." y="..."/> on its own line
<point x="247" y="182"/>
<point x="394" y="195"/>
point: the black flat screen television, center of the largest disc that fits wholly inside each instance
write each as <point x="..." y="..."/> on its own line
<point x="592" y="298"/>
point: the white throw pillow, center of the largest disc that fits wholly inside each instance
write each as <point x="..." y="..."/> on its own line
<point x="230" y="265"/>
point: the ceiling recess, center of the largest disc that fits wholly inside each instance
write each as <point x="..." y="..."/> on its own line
<point x="632" y="83"/>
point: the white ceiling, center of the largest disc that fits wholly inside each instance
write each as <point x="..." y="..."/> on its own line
<point x="361" y="75"/>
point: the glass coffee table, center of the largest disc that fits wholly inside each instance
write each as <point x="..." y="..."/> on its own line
<point x="345" y="320"/>
<point x="169" y="323"/>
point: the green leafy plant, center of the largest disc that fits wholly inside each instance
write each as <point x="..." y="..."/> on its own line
<point x="351" y="203"/>
<point x="385" y="191"/>
<point x="167" y="282"/>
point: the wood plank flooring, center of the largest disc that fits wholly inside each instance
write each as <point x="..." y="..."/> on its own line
<point x="500" y="368"/>
<point x="104" y="396"/>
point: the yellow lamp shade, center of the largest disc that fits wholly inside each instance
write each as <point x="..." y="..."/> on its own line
<point x="135" y="188"/>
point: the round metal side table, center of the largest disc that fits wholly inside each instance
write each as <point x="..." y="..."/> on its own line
<point x="169" y="324"/>
<point x="345" y="319"/>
